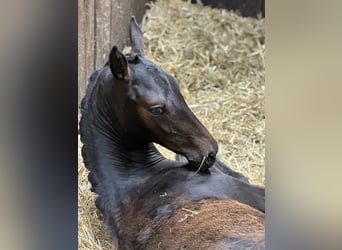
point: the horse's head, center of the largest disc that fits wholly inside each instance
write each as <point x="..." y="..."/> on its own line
<point x="153" y="107"/>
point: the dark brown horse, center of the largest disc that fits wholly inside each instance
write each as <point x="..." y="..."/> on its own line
<point x="148" y="201"/>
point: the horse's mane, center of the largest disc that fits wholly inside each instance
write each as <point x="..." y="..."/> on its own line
<point x="86" y="133"/>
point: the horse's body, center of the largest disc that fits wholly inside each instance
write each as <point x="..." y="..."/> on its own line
<point x="148" y="201"/>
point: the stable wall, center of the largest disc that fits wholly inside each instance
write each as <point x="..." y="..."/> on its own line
<point x="102" y="24"/>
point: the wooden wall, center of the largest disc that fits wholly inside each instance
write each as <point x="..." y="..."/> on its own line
<point x="102" y="24"/>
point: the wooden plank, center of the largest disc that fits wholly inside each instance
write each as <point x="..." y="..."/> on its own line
<point x="120" y="17"/>
<point x="81" y="48"/>
<point x="118" y="32"/>
<point x="102" y="31"/>
<point x="90" y="37"/>
<point x="86" y="44"/>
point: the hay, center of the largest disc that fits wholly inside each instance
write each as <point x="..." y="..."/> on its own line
<point x="218" y="58"/>
<point x="92" y="233"/>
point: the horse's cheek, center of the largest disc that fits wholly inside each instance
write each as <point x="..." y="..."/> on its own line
<point x="146" y="119"/>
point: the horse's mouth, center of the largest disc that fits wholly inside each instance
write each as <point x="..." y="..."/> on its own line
<point x="203" y="165"/>
<point x="198" y="165"/>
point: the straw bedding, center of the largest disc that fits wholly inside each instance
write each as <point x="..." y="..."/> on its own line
<point x="218" y="58"/>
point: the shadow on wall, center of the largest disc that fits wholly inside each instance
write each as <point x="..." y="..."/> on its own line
<point x="247" y="8"/>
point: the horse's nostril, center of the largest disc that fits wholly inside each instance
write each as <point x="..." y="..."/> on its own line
<point x="211" y="157"/>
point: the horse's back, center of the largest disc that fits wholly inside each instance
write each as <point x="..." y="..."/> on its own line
<point x="210" y="224"/>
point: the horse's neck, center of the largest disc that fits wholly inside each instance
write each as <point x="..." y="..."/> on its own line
<point x="127" y="149"/>
<point x="118" y="161"/>
<point x="127" y="152"/>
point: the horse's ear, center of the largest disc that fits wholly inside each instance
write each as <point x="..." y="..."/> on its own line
<point x="136" y="36"/>
<point x="118" y="64"/>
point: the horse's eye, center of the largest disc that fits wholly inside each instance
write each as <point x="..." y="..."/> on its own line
<point x="157" y="110"/>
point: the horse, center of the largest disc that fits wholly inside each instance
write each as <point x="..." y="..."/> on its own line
<point x="146" y="200"/>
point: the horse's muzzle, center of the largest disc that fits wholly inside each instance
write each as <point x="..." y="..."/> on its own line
<point x="203" y="164"/>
